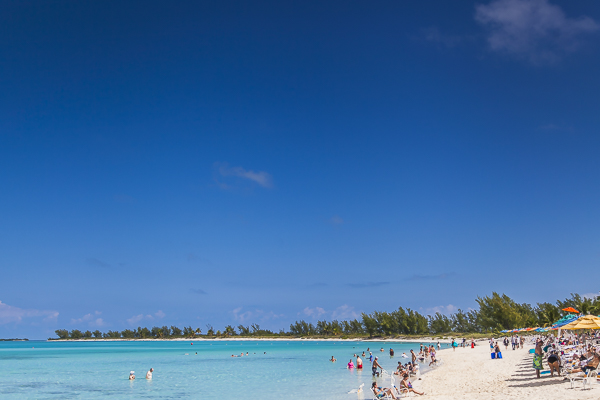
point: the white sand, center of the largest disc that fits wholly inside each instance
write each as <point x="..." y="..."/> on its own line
<point x="471" y="374"/>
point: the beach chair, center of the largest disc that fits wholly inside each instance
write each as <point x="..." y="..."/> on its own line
<point x="382" y="396"/>
<point x="359" y="390"/>
<point x="586" y="380"/>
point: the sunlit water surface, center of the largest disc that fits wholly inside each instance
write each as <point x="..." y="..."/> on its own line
<point x="272" y="370"/>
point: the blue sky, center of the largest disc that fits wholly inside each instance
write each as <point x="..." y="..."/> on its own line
<point x="263" y="162"/>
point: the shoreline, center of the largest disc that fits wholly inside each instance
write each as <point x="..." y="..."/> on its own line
<point x="239" y="339"/>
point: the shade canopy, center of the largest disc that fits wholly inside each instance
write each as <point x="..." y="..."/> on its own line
<point x="585" y="322"/>
<point x="570" y="309"/>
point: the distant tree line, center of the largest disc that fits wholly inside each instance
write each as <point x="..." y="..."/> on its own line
<point x="165" y="332"/>
<point x="496" y="312"/>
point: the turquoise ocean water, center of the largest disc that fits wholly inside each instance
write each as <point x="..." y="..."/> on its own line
<point x="99" y="370"/>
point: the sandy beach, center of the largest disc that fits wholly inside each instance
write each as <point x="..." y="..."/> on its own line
<point x="471" y="374"/>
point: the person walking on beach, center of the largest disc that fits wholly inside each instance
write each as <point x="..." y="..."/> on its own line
<point x="537" y="358"/>
<point x="375" y="366"/>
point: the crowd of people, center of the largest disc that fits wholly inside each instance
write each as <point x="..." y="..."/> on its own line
<point x="403" y="372"/>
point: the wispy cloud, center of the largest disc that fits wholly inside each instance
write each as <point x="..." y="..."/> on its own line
<point x="123" y="198"/>
<point x="434" y="35"/>
<point x="10" y="314"/>
<point x="555" y="128"/>
<point x="367" y="284"/>
<point x="197" y="291"/>
<point x="92" y="320"/>
<point x="313" y="312"/>
<point x="534" y="30"/>
<point x="344" y="312"/>
<point x="145" y="317"/>
<point x="253" y="316"/>
<point x="318" y="285"/>
<point x="94" y="262"/>
<point x="445" y="310"/>
<point x="261" y="178"/>
<point x="431" y="277"/>
<point x="336" y="220"/>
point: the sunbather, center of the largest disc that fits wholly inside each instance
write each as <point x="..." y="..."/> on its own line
<point x="380" y="392"/>
<point x="405" y="384"/>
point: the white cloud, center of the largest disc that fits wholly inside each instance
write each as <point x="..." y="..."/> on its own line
<point x="446" y="310"/>
<point x="15" y="314"/>
<point x="137" y="318"/>
<point x="344" y="312"/>
<point x="253" y="316"/>
<point x="433" y="34"/>
<point x="590" y="295"/>
<point x="262" y="178"/>
<point x="532" y="29"/>
<point x="336" y="220"/>
<point x="313" y="312"/>
<point x="92" y="320"/>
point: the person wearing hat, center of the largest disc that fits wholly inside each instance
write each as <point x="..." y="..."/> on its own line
<point x="132" y="375"/>
<point x="375" y="366"/>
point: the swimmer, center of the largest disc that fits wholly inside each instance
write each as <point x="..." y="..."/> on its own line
<point x="333" y="359"/>
<point x="350" y="364"/>
<point x="149" y="373"/>
<point x="358" y="363"/>
<point x="132" y="375"/>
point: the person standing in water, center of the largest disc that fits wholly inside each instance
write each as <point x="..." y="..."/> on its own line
<point x="375" y="366"/>
<point x="149" y="373"/>
<point x="358" y="362"/>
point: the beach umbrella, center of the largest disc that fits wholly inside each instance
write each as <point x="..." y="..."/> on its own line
<point x="570" y="309"/>
<point x="585" y="322"/>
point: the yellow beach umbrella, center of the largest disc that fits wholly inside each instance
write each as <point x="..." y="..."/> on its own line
<point x="585" y="322"/>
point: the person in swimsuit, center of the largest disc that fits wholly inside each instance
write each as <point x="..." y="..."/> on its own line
<point x="149" y="373"/>
<point x="380" y="392"/>
<point x="554" y="363"/>
<point x="131" y="375"/>
<point x="332" y="358"/>
<point x="537" y="358"/>
<point x="406" y="385"/>
<point x="358" y="363"/>
<point x="350" y="364"/>
<point x="414" y="357"/>
<point x="375" y="366"/>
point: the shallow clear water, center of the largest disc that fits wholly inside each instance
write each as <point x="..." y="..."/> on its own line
<point x="92" y="370"/>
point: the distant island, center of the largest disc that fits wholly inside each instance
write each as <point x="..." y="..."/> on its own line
<point x="496" y="313"/>
<point x="14" y="340"/>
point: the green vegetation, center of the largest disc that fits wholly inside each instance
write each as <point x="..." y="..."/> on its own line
<point x="496" y="313"/>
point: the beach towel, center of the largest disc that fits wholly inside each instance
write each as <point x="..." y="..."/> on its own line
<point x="537" y="361"/>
